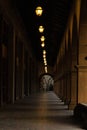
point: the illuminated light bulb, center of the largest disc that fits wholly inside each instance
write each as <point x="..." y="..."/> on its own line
<point x="44" y="59"/>
<point x="41" y="29"/>
<point x="42" y="38"/>
<point x="44" y="55"/>
<point x="46" y="69"/>
<point x="39" y="11"/>
<point x="44" y="52"/>
<point x="43" y="44"/>
<point x="45" y="63"/>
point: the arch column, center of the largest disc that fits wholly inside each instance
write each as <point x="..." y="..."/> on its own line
<point x="82" y="67"/>
<point x="74" y="71"/>
<point x="68" y="74"/>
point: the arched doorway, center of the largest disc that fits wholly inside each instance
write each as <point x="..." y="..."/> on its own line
<point x="46" y="82"/>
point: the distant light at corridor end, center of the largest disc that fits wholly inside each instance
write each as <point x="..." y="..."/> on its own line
<point x="39" y="11"/>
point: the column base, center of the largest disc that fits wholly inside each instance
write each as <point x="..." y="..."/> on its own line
<point x="72" y="106"/>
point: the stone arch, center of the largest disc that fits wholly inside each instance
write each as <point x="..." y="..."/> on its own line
<point x="46" y="82"/>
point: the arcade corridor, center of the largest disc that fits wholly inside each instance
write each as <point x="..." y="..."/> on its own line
<point x="29" y="57"/>
<point x="42" y="111"/>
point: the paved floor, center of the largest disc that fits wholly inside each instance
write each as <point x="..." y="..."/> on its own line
<point x="43" y="111"/>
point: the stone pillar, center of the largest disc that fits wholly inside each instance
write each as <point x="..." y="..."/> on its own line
<point x="22" y="71"/>
<point x="68" y="88"/>
<point x="82" y="84"/>
<point x="82" y="66"/>
<point x="0" y="58"/>
<point x="64" y="88"/>
<point x="74" y="84"/>
<point x="74" y="71"/>
<point x="11" y="67"/>
<point x="28" y="84"/>
<point x="68" y="75"/>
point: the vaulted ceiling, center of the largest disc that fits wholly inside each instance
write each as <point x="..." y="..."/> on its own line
<point x="54" y="19"/>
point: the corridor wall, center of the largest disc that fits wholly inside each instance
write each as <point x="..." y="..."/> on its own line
<point x="18" y="66"/>
<point x="71" y="66"/>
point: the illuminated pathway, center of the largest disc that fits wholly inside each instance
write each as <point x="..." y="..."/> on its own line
<point x="43" y="111"/>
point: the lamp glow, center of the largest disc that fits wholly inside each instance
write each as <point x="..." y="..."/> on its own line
<point x="45" y="63"/>
<point x="43" y="44"/>
<point x="44" y="52"/>
<point x="42" y="38"/>
<point x="41" y="29"/>
<point x="44" y="59"/>
<point x="46" y="69"/>
<point x="44" y="55"/>
<point x="39" y="11"/>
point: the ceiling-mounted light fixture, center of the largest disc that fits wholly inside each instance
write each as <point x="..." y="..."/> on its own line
<point x="42" y="38"/>
<point x="45" y="63"/>
<point x="44" y="55"/>
<point x="44" y="59"/>
<point x="41" y="29"/>
<point x="43" y="44"/>
<point x="44" y="51"/>
<point x="39" y="11"/>
<point x="46" y="69"/>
